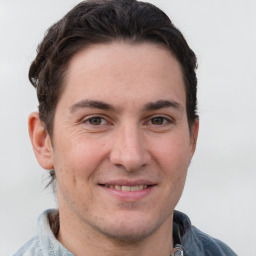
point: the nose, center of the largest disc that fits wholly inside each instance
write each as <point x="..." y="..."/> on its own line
<point x="129" y="149"/>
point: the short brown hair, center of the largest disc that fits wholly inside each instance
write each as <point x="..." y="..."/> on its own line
<point x="104" y="21"/>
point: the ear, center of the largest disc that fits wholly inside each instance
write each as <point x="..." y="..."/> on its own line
<point x="41" y="141"/>
<point x="194" y="135"/>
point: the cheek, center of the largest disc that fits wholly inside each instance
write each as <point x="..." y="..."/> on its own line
<point x="76" y="163"/>
<point x="173" y="160"/>
<point x="79" y="156"/>
<point x="75" y="166"/>
<point x="173" y="155"/>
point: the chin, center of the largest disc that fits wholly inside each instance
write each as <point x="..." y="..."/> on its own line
<point x="128" y="229"/>
<point x="129" y="234"/>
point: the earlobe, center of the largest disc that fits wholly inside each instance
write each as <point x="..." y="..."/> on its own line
<point x="41" y="141"/>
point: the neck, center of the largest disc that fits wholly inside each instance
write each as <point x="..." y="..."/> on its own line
<point x="82" y="239"/>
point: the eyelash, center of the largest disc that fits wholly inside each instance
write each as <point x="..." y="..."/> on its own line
<point x="90" y="120"/>
<point x="164" y="120"/>
<point x="103" y="121"/>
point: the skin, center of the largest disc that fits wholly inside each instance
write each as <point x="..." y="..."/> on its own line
<point x="120" y="120"/>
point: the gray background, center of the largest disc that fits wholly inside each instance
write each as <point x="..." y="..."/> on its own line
<point x="220" y="192"/>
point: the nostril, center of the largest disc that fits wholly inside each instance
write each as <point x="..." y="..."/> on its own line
<point x="120" y="166"/>
<point x="125" y="168"/>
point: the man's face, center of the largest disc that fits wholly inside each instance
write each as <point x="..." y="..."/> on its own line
<point x="121" y="142"/>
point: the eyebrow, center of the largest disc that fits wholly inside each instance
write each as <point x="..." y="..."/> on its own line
<point x="162" y="104"/>
<point x="91" y="104"/>
<point x="105" y="106"/>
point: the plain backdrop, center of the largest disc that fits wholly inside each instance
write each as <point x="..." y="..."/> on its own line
<point x="220" y="193"/>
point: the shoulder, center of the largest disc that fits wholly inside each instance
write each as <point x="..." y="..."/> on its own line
<point x="209" y="245"/>
<point x="45" y="243"/>
<point x="196" y="242"/>
<point x="32" y="247"/>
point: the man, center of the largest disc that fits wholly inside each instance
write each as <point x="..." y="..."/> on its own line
<point x="117" y="128"/>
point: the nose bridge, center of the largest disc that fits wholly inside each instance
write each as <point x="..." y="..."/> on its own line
<point x="129" y="149"/>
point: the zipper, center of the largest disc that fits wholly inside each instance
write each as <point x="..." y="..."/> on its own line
<point x="177" y="251"/>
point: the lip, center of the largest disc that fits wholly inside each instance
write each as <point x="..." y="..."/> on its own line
<point x="122" y="182"/>
<point x="129" y="196"/>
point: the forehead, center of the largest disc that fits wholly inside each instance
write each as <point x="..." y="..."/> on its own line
<point x="121" y="72"/>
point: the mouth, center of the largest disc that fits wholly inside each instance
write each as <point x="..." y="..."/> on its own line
<point x="127" y="188"/>
<point x="129" y="193"/>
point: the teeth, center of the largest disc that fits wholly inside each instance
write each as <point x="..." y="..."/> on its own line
<point x="118" y="187"/>
<point x="127" y="188"/>
<point x="135" y="188"/>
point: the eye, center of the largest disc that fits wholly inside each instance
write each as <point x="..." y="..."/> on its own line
<point x="159" y="120"/>
<point x="97" y="120"/>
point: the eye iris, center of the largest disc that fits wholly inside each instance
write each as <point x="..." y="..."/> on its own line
<point x="157" y="120"/>
<point x="95" y="121"/>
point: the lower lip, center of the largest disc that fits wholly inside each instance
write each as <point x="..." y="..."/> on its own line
<point x="130" y="195"/>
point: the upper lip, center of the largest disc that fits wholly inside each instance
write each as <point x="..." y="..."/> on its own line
<point x="128" y="182"/>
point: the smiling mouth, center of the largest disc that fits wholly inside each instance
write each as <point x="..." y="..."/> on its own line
<point x="127" y="188"/>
